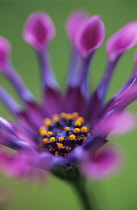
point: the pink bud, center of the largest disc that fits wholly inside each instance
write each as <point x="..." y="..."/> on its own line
<point x="5" y="49"/>
<point x="90" y="36"/>
<point x="74" y="23"/>
<point x="39" y="30"/>
<point x="122" y="40"/>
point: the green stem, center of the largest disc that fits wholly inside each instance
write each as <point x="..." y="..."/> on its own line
<point x="80" y="189"/>
<point x="77" y="181"/>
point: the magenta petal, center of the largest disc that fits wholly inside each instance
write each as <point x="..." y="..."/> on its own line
<point x="74" y="23"/>
<point x="26" y="122"/>
<point x="122" y="40"/>
<point x="39" y="30"/>
<point x="106" y="162"/>
<point x="127" y="96"/>
<point x="52" y="101"/>
<point x="5" y="49"/>
<point x="34" y="112"/>
<point x="6" y="125"/>
<point x="115" y="123"/>
<point x="90" y="36"/>
<point x="75" y="101"/>
<point x="13" y="165"/>
<point x="23" y="134"/>
<point x="127" y="123"/>
<point x="18" y="165"/>
<point x="44" y="160"/>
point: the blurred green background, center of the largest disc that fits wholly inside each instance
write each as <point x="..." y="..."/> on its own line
<point x="120" y="192"/>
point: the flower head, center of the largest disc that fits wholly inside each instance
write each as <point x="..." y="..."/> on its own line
<point x="66" y="131"/>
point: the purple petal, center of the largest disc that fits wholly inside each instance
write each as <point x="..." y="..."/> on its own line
<point x="124" y="98"/>
<point x="19" y="166"/>
<point x="127" y="97"/>
<point x="13" y="130"/>
<point x="9" y="71"/>
<point x="18" y="84"/>
<point x="76" y="156"/>
<point x="23" y="134"/>
<point x="83" y="79"/>
<point x="12" y="165"/>
<point x="14" y="142"/>
<point x="8" y="129"/>
<point x="47" y="161"/>
<point x="98" y="97"/>
<point x="5" y="49"/>
<point x="9" y="102"/>
<point x="51" y="95"/>
<point x="75" y="101"/>
<point x="26" y="123"/>
<point x="76" y="95"/>
<point x="135" y="60"/>
<point x="74" y="68"/>
<point x="74" y="23"/>
<point x="4" y="124"/>
<point x="39" y="30"/>
<point x="30" y="118"/>
<point x="35" y="114"/>
<point x="127" y="124"/>
<point x="90" y="36"/>
<point x="115" y="123"/>
<point x="122" y="40"/>
<point x="104" y="163"/>
<point x="52" y="101"/>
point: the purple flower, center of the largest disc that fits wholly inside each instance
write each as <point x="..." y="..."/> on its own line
<point x="66" y="130"/>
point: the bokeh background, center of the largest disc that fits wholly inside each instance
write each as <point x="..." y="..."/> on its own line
<point x="119" y="192"/>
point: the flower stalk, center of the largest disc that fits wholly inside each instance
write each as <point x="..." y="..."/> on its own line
<point x="80" y="189"/>
<point x="78" y="183"/>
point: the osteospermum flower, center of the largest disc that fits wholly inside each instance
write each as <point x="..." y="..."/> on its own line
<point x="64" y="133"/>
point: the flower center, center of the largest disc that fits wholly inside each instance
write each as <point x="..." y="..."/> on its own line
<point x="63" y="133"/>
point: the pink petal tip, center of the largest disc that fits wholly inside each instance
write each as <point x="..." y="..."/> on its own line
<point x="39" y="30"/>
<point x="90" y="36"/>
<point x="74" y="23"/>
<point x="105" y="163"/>
<point x="122" y="40"/>
<point x="116" y="124"/>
